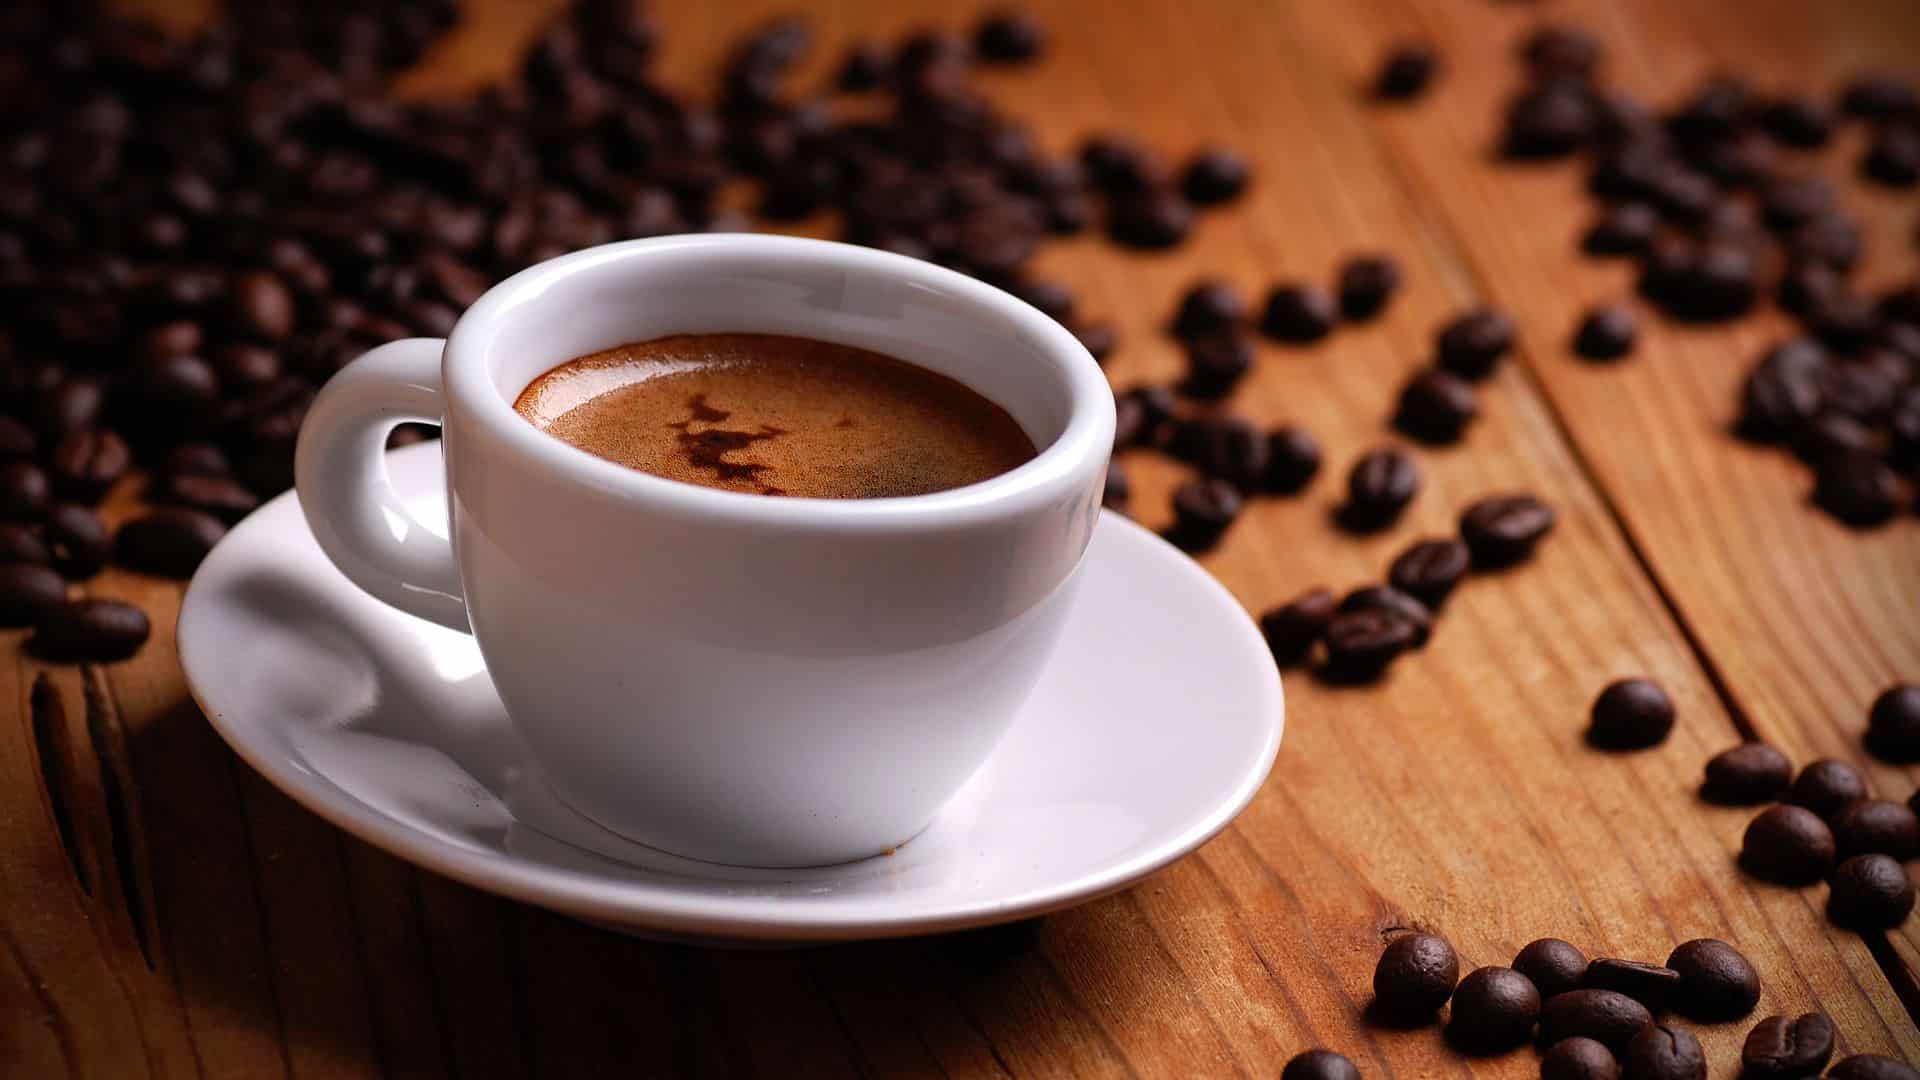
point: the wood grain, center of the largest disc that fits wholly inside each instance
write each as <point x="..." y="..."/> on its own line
<point x="1456" y="797"/>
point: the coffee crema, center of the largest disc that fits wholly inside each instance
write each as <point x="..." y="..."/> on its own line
<point x="774" y="415"/>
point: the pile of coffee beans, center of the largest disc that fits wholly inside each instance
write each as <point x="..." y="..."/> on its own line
<point x="1706" y="196"/>
<point x="195" y="232"/>
<point x="1354" y="638"/>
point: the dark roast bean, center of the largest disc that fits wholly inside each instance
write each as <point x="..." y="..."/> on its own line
<point x="1863" y="392"/>
<point x="864" y="67"/>
<point x="1216" y="363"/>
<point x="1009" y="37"/>
<point x="1894" y="156"/>
<point x="1555" y="51"/>
<point x="1319" y="1064"/>
<point x="16" y="440"/>
<point x="1360" y="644"/>
<point x="186" y="383"/>
<point x="1607" y="333"/>
<point x="1471" y="344"/>
<point x="1869" y="892"/>
<point x="1415" y="976"/>
<point x="1661" y="1052"/>
<point x="1098" y="338"/>
<point x="1430" y="569"/>
<point x="1202" y="510"/>
<point x="1299" y="314"/>
<point x="1150" y="220"/>
<point x="1776" y="402"/>
<point x="1747" y="775"/>
<point x="86" y="463"/>
<point x="1366" y="283"/>
<point x="20" y="544"/>
<point x="1552" y="965"/>
<point x="196" y="459"/>
<point x="1893" y="724"/>
<point x="1292" y="628"/>
<point x="168" y="542"/>
<point x="1604" y="1016"/>
<point x="262" y="306"/>
<point x="1830" y="239"/>
<point x="1406" y="71"/>
<point x="71" y="405"/>
<point x="100" y="631"/>
<point x="1630" y="714"/>
<point x="1831" y="433"/>
<point x="1388" y="598"/>
<point x="1857" y="488"/>
<point x="1224" y="446"/>
<point x="1054" y="298"/>
<point x="1876" y="826"/>
<point x="1215" y="175"/>
<point x="1379" y="487"/>
<point x="1209" y="307"/>
<point x="1879" y="95"/>
<point x="1649" y="984"/>
<point x="1798" y="121"/>
<point x="1625" y="229"/>
<point x="1579" y="1058"/>
<point x="1842" y="319"/>
<point x="1826" y="785"/>
<point x="24" y="492"/>
<point x="182" y="337"/>
<point x="1114" y="496"/>
<point x="1494" y="1010"/>
<point x="1787" y="1048"/>
<point x="1788" y="202"/>
<point x="77" y="541"/>
<point x="1293" y="458"/>
<point x="1501" y="530"/>
<point x="1787" y="845"/>
<point x="1873" y="1067"/>
<point x="27" y="592"/>
<point x="1547" y="122"/>
<point x="243" y="366"/>
<point x="1716" y="982"/>
<point x="1806" y="285"/>
<point x="1435" y="407"/>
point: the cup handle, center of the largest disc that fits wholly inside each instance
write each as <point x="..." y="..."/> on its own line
<point x="340" y="472"/>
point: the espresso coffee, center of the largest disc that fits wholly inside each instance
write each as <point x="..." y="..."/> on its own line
<point x="776" y="415"/>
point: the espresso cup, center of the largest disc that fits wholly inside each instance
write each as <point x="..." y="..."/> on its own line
<point x="730" y="677"/>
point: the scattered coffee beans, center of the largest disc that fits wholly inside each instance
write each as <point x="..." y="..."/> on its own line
<point x="1114" y="495"/>
<point x="1787" y="845"/>
<point x="19" y="544"/>
<point x="1787" y="1048"/>
<point x="1009" y="37"/>
<point x="1319" y="1064"/>
<point x="1893" y="724"/>
<point x="1494" y="1010"/>
<point x="1405" y="73"/>
<point x="1552" y="965"/>
<point x="1501" y="530"/>
<point x="1366" y="283"/>
<point x="1663" y="1052"/>
<point x="90" y="630"/>
<point x="1216" y="363"/>
<point x="1299" y="314"/>
<point x="1625" y="229"/>
<point x="1435" y="407"/>
<point x="1649" y="984"/>
<point x="1202" y="510"/>
<point x="1747" y="775"/>
<point x="1630" y="714"/>
<point x="1857" y="487"/>
<point x="1472" y="344"/>
<point x="1360" y="644"/>
<point x="77" y="541"/>
<point x="1292" y="628"/>
<point x="1429" y="570"/>
<point x="1579" y="1058"/>
<point x="1215" y="175"/>
<point x="1209" y="307"/>
<point x="1873" y="1067"/>
<point x="1379" y="487"/>
<point x="1604" y="1016"/>
<point x="28" y="591"/>
<point x="1607" y="333"/>
<point x="1293" y="459"/>
<point x="1876" y="826"/>
<point x="1716" y="982"/>
<point x="1388" y="598"/>
<point x="169" y="542"/>
<point x="1416" y="974"/>
<point x="1869" y="892"/>
<point x="1826" y="785"/>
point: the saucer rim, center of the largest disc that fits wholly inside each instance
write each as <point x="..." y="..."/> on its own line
<point x="584" y="895"/>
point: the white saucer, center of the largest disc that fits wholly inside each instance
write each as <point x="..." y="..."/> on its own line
<point x="1155" y="723"/>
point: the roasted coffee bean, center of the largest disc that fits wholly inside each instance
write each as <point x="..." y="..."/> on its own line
<point x="1788" y="202"/>
<point x="1119" y="166"/>
<point x="27" y="592"/>
<point x="1114" y="496"/>
<point x="1798" y="121"/>
<point x="1625" y="229"/>
<point x="242" y="366"/>
<point x="1776" y="402"/>
<point x="77" y="541"/>
<point x="1605" y="1016"/>
<point x="263" y="308"/>
<point x="1292" y="628"/>
<point x="1129" y="422"/>
<point x="1299" y="314"/>
<point x="1552" y="965"/>
<point x="1787" y="845"/>
<point x="1830" y="240"/>
<point x="1876" y="826"/>
<point x="86" y="463"/>
<point x="1805" y="285"/>
<point x="864" y="67"/>
<point x="1366" y="283"/>
<point x="1831" y="433"/>
<point x="1842" y="319"/>
<point x="1631" y="714"/>
<point x="1607" y="333"/>
<point x="169" y="542"/>
<point x="24" y="492"/>
<point x="196" y="459"/>
<point x="1502" y="530"/>
<point x="182" y="337"/>
<point x="1202" y="510"/>
<point x="1873" y="1067"/>
<point x="1893" y="724"/>
<point x="1098" y="338"/>
<point x="1649" y="984"/>
<point x="1228" y="447"/>
<point x="1747" y="775"/>
<point x="16" y="440"/>
<point x="1879" y="95"/>
<point x="1716" y="982"/>
<point x="1388" y="598"/>
<point x="1216" y="363"/>
<point x="1826" y="785"/>
<point x="1209" y="307"/>
<point x="1009" y="37"/>
<point x="1471" y="344"/>
<point x="1379" y="487"/>
<point x="1415" y="975"/>
<point x="1406" y="71"/>
<point x="1360" y="644"/>
<point x="1494" y="1010"/>
<point x="1430" y="569"/>
<point x="1152" y="219"/>
<point x="220" y="496"/>
<point x="1894" y="156"/>
<point x="99" y="631"/>
<point x="185" y="383"/>
<point x="1293" y="458"/>
<point x="1722" y="282"/>
<point x="1787" y="1048"/>
<point x="1858" y="488"/>
<point x="1858" y="390"/>
<point x="20" y="544"/>
<point x="1579" y="1058"/>
<point x="1662" y="1052"/>
<point x="1215" y="175"/>
<point x="1546" y="122"/>
<point x="1435" y="407"/>
<point x="1869" y="892"/>
<point x="70" y="405"/>
<point x="1319" y="1064"/>
<point x="1561" y="52"/>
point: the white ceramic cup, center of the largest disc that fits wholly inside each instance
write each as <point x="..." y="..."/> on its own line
<point x="731" y="677"/>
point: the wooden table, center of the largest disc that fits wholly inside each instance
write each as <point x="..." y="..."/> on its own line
<point x="163" y="911"/>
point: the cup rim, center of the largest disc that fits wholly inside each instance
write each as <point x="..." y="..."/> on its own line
<point x="1058" y="470"/>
